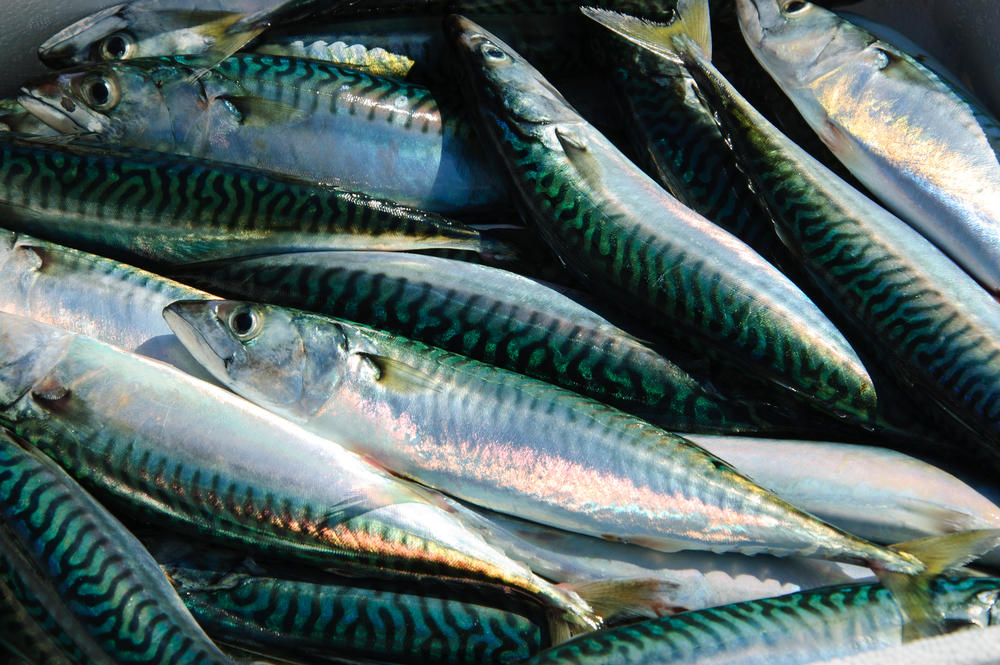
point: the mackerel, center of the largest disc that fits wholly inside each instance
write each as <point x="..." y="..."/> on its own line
<point x="154" y="209"/>
<point x="627" y="236"/>
<point x="305" y="118"/>
<point x="186" y="453"/>
<point x="490" y="315"/>
<point x="142" y="28"/>
<point x="928" y="151"/>
<point x="501" y="440"/>
<point x="675" y="134"/>
<point x="99" y="585"/>
<point x="932" y="323"/>
<point x="794" y="629"/>
<point x="319" y="617"/>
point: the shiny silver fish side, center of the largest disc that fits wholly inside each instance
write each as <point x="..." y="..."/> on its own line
<point x="691" y="579"/>
<point x="928" y="152"/>
<point x="101" y="588"/>
<point x="179" y="450"/>
<point x="876" y="493"/>
<point x="93" y="296"/>
<point x="500" y="439"/>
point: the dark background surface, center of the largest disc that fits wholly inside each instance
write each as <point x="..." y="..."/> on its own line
<point x="963" y="34"/>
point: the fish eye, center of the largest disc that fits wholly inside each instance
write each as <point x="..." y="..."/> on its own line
<point x="795" y="6"/>
<point x="101" y="92"/>
<point x="118" y="46"/>
<point x="245" y="322"/>
<point x="492" y="52"/>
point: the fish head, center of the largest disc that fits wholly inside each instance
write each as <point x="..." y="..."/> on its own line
<point x="274" y="356"/>
<point x="111" y="101"/>
<point x="28" y="352"/>
<point x="506" y="84"/>
<point x="146" y="28"/>
<point x="796" y="41"/>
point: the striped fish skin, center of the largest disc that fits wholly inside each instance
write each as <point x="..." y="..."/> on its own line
<point x="90" y="295"/>
<point x="183" y="452"/>
<point x="930" y="153"/>
<point x="141" y="28"/>
<point x="322" y="617"/>
<point x="27" y="631"/>
<point x="626" y="235"/>
<point x="473" y="429"/>
<point x="674" y="132"/>
<point x="878" y="494"/>
<point x="112" y="587"/>
<point x="154" y="209"/>
<point x="305" y="118"/>
<point x="931" y="321"/>
<point x="490" y="315"/>
<point x="793" y="629"/>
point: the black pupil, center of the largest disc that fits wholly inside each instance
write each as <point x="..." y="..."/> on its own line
<point x="99" y="92"/>
<point x="242" y="323"/>
<point x="795" y="6"/>
<point x="115" y="46"/>
<point x="494" y="52"/>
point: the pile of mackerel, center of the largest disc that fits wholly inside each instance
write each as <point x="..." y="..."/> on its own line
<point x="472" y="332"/>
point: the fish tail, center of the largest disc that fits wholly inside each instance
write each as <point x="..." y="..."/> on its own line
<point x="691" y="18"/>
<point x="937" y="554"/>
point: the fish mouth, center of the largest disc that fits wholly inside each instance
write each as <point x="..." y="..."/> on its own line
<point x="52" y="115"/>
<point x="198" y="326"/>
<point x="751" y="24"/>
<point x="70" y="45"/>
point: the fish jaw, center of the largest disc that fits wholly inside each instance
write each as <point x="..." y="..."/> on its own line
<point x="799" y="45"/>
<point x="53" y="101"/>
<point x="73" y="44"/>
<point x="198" y="324"/>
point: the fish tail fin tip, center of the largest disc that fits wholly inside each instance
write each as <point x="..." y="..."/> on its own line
<point x="691" y="18"/>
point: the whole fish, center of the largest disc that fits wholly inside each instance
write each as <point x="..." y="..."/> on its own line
<point x="499" y="439"/>
<point x="794" y="629"/>
<point x="93" y="296"/>
<point x="930" y="321"/>
<point x="926" y="150"/>
<point x="187" y="453"/>
<point x="143" y="28"/>
<point x="878" y="494"/>
<point x="491" y="315"/>
<point x="305" y="118"/>
<point x="631" y="239"/>
<point x="319" y="617"/>
<point x="154" y="209"/>
<point x="99" y="585"/>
